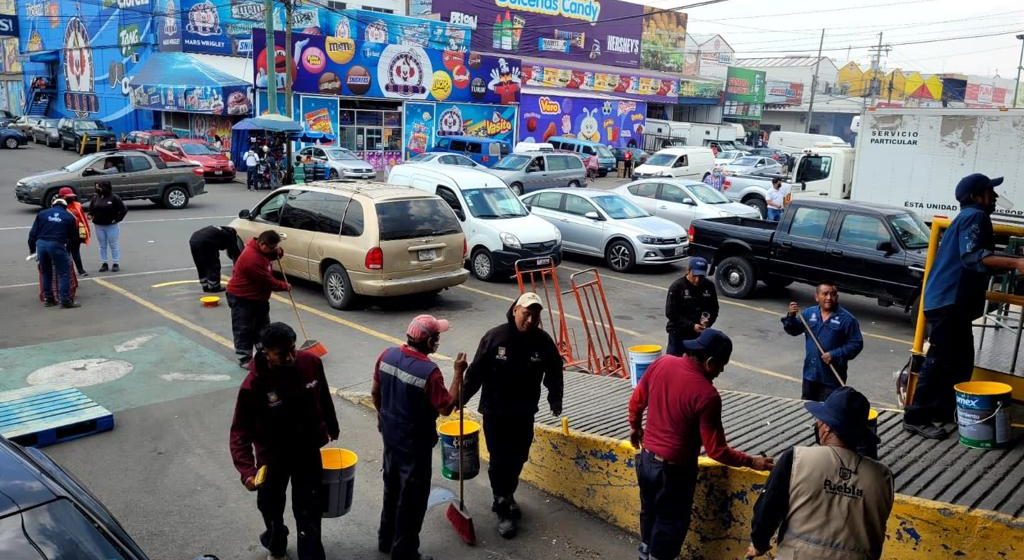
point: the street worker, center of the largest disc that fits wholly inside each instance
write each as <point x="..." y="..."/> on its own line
<point x="684" y="411"/>
<point x="827" y="502"/>
<point x="52" y="231"/>
<point x="283" y="416"/>
<point x="249" y="289"/>
<point x="252" y="160"/>
<point x="954" y="297"/>
<point x="84" y="231"/>
<point x="206" y="244"/>
<point x="839" y="334"/>
<point x="691" y="305"/>
<point x="409" y="394"/>
<point x="776" y="200"/>
<point x="511" y="363"/>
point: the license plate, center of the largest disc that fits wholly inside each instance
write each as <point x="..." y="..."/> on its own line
<point x="218" y="172"/>
<point x="680" y="251"/>
<point x="427" y="254"/>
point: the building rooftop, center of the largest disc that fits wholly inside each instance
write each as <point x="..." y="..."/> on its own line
<point x="780" y="61"/>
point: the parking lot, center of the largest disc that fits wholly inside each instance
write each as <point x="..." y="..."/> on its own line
<point x="181" y="388"/>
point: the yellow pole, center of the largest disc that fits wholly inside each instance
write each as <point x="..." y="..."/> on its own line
<point x="81" y="148"/>
<point x="938" y="225"/>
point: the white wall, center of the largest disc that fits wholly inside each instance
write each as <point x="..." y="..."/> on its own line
<point x="789" y="121"/>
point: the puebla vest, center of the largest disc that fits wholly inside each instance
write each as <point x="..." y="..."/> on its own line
<point x="407" y="417"/>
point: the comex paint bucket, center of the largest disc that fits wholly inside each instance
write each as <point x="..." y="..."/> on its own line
<point x="640" y="357"/>
<point x="338" y="480"/>
<point x="983" y="413"/>
<point x="452" y="445"/>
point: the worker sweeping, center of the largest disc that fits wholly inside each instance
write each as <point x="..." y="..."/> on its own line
<point x="409" y="394"/>
<point x="511" y="363"/>
<point x="252" y="282"/>
<point x="690" y="306"/>
<point x="838" y="332"/>
<point x="206" y="244"/>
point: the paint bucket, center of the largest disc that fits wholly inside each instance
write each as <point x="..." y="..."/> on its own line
<point x="452" y="445"/>
<point x="338" y="480"/>
<point x="640" y="357"/>
<point x="210" y="301"/>
<point x="983" y="413"/>
<point x="870" y="449"/>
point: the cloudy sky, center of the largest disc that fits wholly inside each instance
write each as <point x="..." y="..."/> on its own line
<point x="779" y="27"/>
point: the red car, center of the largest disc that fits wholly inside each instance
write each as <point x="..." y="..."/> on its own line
<point x="144" y="139"/>
<point x="215" y="164"/>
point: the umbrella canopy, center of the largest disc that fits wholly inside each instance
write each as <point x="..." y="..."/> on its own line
<point x="270" y="123"/>
<point x="312" y="137"/>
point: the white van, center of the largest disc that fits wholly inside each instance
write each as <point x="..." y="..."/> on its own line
<point x="795" y="142"/>
<point x="499" y="229"/>
<point x="685" y="162"/>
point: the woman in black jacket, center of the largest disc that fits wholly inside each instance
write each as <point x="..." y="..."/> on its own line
<point x="107" y="211"/>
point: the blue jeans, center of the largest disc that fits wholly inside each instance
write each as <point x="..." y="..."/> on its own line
<point x="774" y="214"/>
<point x="666" y="504"/>
<point x="54" y="256"/>
<point x="109" y="236"/>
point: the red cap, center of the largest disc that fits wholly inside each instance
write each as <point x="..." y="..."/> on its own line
<point x="426" y="326"/>
<point x="66" y="192"/>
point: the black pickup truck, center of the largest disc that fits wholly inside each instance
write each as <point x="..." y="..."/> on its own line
<point x="866" y="249"/>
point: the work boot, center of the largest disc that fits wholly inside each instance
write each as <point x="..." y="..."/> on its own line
<point x="929" y="431"/>
<point x="104" y="268"/>
<point x="83" y="273"/>
<point x="115" y="268"/>
<point x="514" y="512"/>
<point x="70" y="305"/>
<point x="507" y="528"/>
<point x="244" y="363"/>
<point x="644" y="554"/>
<point x="213" y="289"/>
<point x="50" y="303"/>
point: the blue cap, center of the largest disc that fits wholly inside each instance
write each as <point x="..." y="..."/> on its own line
<point x="712" y="342"/>
<point x="845" y="411"/>
<point x="698" y="266"/>
<point x="975" y="183"/>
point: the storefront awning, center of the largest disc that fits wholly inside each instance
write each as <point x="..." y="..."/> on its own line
<point x="44" y="56"/>
<point x="181" y="82"/>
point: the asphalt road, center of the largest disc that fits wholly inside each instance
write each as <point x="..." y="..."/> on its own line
<point x="165" y="470"/>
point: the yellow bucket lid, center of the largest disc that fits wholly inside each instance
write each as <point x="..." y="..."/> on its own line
<point x="451" y="428"/>
<point x="210" y="300"/>
<point x="872" y="414"/>
<point x="645" y="348"/>
<point x="335" y="458"/>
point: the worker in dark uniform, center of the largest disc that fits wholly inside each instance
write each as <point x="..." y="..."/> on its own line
<point x="954" y="297"/>
<point x="283" y="416"/>
<point x="206" y="244"/>
<point x="839" y="334"/>
<point x="409" y="394"/>
<point x="48" y="239"/>
<point x="511" y="363"/>
<point x="691" y="306"/>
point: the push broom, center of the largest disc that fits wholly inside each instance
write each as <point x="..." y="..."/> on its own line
<point x="820" y="348"/>
<point x="458" y="516"/>
<point x="313" y="346"/>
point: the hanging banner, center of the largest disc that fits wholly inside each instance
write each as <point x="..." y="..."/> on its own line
<point x="333" y="66"/>
<point x="702" y="89"/>
<point x="376" y="27"/>
<point x="784" y="93"/>
<point x="622" y="84"/>
<point x="466" y="119"/>
<point x="319" y="114"/>
<point x="615" y="123"/>
<point x="744" y="94"/>
<point x="419" y="128"/>
<point x="663" y="43"/>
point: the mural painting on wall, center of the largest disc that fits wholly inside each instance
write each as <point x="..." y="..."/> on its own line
<point x="79" y="69"/>
<point x="168" y="29"/>
<point x="419" y="128"/>
<point x="616" y="123"/>
<point x="488" y="121"/>
<point x="663" y="42"/>
<point x="320" y="115"/>
<point x="205" y="127"/>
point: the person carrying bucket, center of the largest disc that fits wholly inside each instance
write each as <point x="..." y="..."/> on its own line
<point x="954" y="296"/>
<point x="829" y="501"/>
<point x="691" y="305"/>
<point x="511" y="363"/>
<point x="283" y="416"/>
<point x="409" y="394"/>
<point x="684" y="412"/>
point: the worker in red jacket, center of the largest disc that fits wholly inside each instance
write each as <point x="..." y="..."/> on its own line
<point x="252" y="282"/>
<point x="684" y="411"/>
<point x="283" y="416"/>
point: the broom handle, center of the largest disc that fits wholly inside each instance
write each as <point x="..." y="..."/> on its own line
<point x="462" y="482"/>
<point x="292" y="299"/>
<point x="810" y="333"/>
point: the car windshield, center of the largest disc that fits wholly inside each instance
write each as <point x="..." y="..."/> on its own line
<point x="422" y="157"/>
<point x="86" y="125"/>
<point x="198" y="150"/>
<point x="80" y="164"/>
<point x="618" y="208"/>
<point x="494" y="203"/>
<point x="604" y="152"/>
<point x="341" y="154"/>
<point x="913" y="233"/>
<point x="746" y="161"/>
<point x="706" y="194"/>
<point x="49" y="123"/>
<point x="661" y="160"/>
<point x="512" y="162"/>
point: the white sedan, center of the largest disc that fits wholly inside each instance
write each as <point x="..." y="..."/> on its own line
<point x="726" y="157"/>
<point x="443" y="158"/>
<point x="682" y="201"/>
<point x="753" y="164"/>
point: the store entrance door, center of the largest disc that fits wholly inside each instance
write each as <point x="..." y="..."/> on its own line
<point x="373" y="130"/>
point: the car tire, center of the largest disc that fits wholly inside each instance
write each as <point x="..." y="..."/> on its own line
<point x="333" y="175"/>
<point x="602" y="173"/>
<point x="49" y="198"/>
<point x="757" y="203"/>
<point x="11" y="143"/>
<point x="735" y="277"/>
<point x="574" y="184"/>
<point x="914" y="310"/>
<point x="481" y="264"/>
<point x="620" y="256"/>
<point x="517" y="188"/>
<point x="175" y="197"/>
<point x="63" y="145"/>
<point x="338" y="287"/>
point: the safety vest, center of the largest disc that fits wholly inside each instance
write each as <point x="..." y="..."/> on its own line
<point x="407" y="417"/>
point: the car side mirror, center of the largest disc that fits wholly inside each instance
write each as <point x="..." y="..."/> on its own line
<point x="689" y="201"/>
<point x="886" y="247"/>
<point x="89" y="172"/>
<point x="245" y="214"/>
<point x="593" y="216"/>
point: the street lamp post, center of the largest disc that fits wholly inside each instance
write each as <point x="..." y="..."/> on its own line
<point x="1020" y="63"/>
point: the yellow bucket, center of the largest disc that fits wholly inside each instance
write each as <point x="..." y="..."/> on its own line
<point x="338" y="480"/>
<point x="452" y="446"/>
<point x="640" y="358"/>
<point x="983" y="413"/>
<point x="210" y="301"/>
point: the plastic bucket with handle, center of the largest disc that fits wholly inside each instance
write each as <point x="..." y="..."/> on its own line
<point x="468" y="445"/>
<point x="338" y="480"/>
<point x="640" y="357"/>
<point x="983" y="413"/>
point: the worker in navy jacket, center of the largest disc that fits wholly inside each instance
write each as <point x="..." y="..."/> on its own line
<point x="48" y="240"/>
<point x="839" y="334"/>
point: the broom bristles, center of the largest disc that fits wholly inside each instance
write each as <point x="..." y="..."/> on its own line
<point x="462" y="523"/>
<point x="315" y="347"/>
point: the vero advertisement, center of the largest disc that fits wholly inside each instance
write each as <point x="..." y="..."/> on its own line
<point x="615" y="123"/>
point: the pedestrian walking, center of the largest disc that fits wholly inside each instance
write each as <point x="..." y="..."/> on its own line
<point x="252" y="161"/>
<point x="684" y="412"/>
<point x="249" y="289"/>
<point x="511" y="363"/>
<point x="48" y="239"/>
<point x="107" y="211"/>
<point x="954" y="297"/>
<point x="691" y="306"/>
<point x="838" y="332"/>
<point x="283" y="416"/>
<point x="409" y="394"/>
<point x="627" y="165"/>
<point x="775" y="199"/>
<point x="715" y="179"/>
<point x="206" y="244"/>
<point x="84" y="231"/>
<point x="218" y="144"/>
<point x="829" y="501"/>
<point x="299" y="171"/>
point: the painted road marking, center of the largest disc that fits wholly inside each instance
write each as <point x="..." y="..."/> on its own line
<point x="134" y="344"/>
<point x="153" y="221"/>
<point x="732" y="303"/>
<point x="80" y="373"/>
<point x="174" y="283"/>
<point x="178" y="376"/>
<point x="112" y="275"/>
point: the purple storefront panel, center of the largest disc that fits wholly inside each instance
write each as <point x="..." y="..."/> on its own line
<point x="609" y="122"/>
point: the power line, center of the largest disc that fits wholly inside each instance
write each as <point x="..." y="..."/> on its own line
<point x="922" y="42"/>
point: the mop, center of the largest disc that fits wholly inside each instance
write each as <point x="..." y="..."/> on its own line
<point x="314" y="346"/>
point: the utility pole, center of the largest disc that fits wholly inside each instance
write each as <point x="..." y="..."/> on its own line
<point x="1020" y="63"/>
<point x="814" y="84"/>
<point x="268" y="23"/>
<point x="875" y="87"/>
<point x="288" y="56"/>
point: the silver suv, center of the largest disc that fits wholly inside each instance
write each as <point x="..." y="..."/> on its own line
<point x="530" y="171"/>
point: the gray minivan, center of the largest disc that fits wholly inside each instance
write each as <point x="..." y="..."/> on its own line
<point x="530" y="171"/>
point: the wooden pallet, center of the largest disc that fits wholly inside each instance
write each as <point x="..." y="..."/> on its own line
<point x="41" y="416"/>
